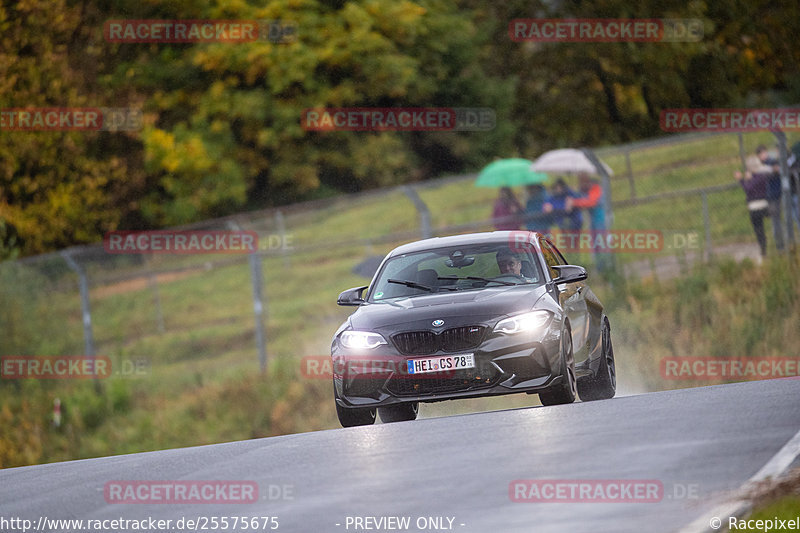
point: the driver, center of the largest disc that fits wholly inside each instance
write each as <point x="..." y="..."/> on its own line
<point x="508" y="263"/>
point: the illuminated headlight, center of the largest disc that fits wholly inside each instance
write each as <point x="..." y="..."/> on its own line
<point x="525" y="322"/>
<point x="359" y="340"/>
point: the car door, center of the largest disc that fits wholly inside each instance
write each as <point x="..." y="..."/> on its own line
<point x="572" y="300"/>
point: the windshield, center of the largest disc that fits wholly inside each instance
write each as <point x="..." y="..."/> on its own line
<point x="462" y="268"/>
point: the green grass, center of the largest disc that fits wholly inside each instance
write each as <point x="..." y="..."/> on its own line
<point x="786" y="508"/>
<point x="203" y="383"/>
<point x="776" y="500"/>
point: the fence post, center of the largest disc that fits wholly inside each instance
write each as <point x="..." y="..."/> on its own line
<point x="152" y="280"/>
<point x="280" y="222"/>
<point x="422" y="209"/>
<point x="786" y="193"/>
<point x="606" y="181"/>
<point x="742" y="155"/>
<point x="629" y="170"/>
<point x="83" y="285"/>
<point x="256" y="273"/>
<point x="259" y="306"/>
<point x="707" y="226"/>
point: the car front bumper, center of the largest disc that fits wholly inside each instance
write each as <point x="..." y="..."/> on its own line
<point x="504" y="364"/>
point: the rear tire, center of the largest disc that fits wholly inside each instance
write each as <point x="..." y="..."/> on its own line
<point x="603" y="385"/>
<point x="566" y="391"/>
<point x="399" y="413"/>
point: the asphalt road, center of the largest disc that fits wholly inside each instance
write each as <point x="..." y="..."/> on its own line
<point x="698" y="444"/>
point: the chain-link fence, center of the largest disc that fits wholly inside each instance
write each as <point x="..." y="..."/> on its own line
<point x="253" y="306"/>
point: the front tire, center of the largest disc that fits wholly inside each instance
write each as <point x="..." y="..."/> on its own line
<point x="399" y="413"/>
<point x="351" y="417"/>
<point x="603" y="385"/>
<point x="566" y="391"/>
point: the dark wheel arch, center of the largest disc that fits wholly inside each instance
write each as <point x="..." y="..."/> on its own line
<point x="353" y="416"/>
<point x="603" y="385"/>
<point x="566" y="391"/>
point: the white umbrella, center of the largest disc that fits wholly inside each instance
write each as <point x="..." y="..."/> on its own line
<point x="567" y="161"/>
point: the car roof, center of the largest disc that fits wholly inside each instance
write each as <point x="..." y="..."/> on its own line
<point x="487" y="237"/>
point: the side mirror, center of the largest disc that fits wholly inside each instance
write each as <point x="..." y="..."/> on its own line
<point x="569" y="274"/>
<point x="352" y="296"/>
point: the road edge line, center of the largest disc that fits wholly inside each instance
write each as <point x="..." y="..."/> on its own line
<point x="775" y="466"/>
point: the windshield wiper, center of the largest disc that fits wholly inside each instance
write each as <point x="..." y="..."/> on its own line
<point x="412" y="284"/>
<point x="491" y="280"/>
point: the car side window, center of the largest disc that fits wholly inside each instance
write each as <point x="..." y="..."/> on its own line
<point x="551" y="258"/>
<point x="557" y="253"/>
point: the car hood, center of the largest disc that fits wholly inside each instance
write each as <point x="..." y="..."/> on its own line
<point x="485" y="305"/>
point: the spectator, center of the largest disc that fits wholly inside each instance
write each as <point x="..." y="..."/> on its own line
<point x="557" y="205"/>
<point x="593" y="202"/>
<point x="535" y="218"/>
<point x="794" y="199"/>
<point x="773" y="193"/>
<point x="507" y="211"/>
<point x="754" y="182"/>
<point x="794" y="176"/>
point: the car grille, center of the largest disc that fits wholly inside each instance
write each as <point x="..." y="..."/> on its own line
<point x="483" y="376"/>
<point x="364" y="387"/>
<point x="450" y="340"/>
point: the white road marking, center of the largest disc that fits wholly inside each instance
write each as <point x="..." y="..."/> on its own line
<point x="774" y="467"/>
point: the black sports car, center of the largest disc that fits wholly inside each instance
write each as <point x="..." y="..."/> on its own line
<point x="466" y="316"/>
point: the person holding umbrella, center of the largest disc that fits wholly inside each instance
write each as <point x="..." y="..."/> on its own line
<point x="585" y="164"/>
<point x="556" y="204"/>
<point x="508" y="213"/>
<point x="535" y="217"/>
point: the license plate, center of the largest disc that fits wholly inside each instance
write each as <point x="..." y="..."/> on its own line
<point x="442" y="363"/>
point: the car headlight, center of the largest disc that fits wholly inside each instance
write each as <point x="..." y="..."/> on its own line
<point x="525" y="322"/>
<point x="359" y="340"/>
